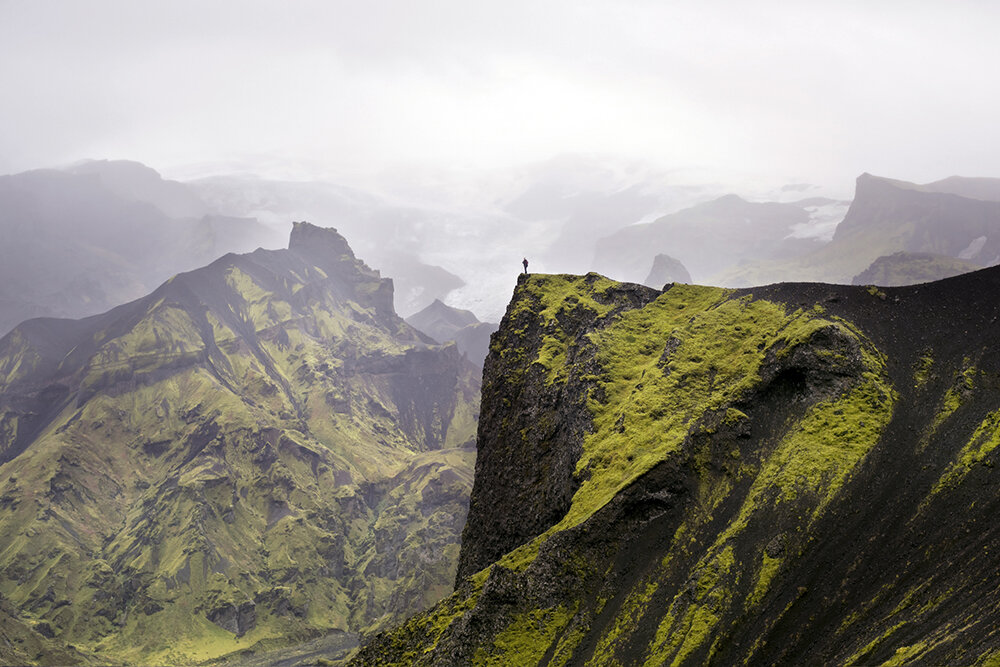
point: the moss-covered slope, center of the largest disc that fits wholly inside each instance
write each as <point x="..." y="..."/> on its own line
<point x="797" y="474"/>
<point x="259" y="451"/>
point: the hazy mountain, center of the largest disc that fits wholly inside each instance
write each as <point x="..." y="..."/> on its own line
<point x="259" y="451"/>
<point x="707" y="238"/>
<point x="81" y="241"/>
<point x="446" y="324"/>
<point x="391" y="234"/>
<point x="134" y="181"/>
<point x="665" y="270"/>
<point x="889" y="216"/>
<point x="909" y="268"/>
<point x="801" y="474"/>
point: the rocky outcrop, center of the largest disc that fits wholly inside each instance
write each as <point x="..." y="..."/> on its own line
<point x="665" y="270"/>
<point x="797" y="474"/>
<point x="909" y="268"/>
<point x="260" y="450"/>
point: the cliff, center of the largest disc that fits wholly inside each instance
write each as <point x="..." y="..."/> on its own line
<point x="794" y="474"/>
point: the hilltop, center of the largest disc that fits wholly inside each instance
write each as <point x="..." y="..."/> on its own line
<point x="799" y="473"/>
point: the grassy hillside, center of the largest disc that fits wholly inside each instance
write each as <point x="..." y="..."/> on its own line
<point x="789" y="475"/>
<point x="257" y="452"/>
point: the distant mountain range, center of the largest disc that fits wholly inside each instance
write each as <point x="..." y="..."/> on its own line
<point x="709" y="238"/>
<point x="956" y="217"/>
<point x="79" y="241"/>
<point x="257" y="452"/>
<point x="446" y="324"/>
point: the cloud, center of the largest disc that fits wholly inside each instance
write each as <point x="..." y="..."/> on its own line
<point x="809" y="90"/>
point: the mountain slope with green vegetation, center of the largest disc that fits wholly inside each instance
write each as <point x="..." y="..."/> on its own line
<point x="258" y="452"/>
<point x="795" y="474"/>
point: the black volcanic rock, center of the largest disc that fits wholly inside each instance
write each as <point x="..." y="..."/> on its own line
<point x="797" y="474"/>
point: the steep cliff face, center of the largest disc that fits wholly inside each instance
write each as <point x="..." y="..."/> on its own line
<point x="796" y="474"/>
<point x="258" y="451"/>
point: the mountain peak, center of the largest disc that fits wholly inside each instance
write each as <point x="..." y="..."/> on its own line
<point x="307" y="238"/>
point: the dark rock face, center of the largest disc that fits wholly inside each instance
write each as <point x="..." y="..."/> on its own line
<point x="798" y="475"/>
<point x="238" y="619"/>
<point x="528" y="421"/>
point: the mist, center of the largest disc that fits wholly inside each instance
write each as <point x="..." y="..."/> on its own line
<point x="813" y="91"/>
<point x="448" y="140"/>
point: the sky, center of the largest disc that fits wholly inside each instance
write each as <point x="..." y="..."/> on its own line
<point x="803" y="91"/>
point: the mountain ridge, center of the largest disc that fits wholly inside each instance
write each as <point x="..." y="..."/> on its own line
<point x="788" y="474"/>
<point x="242" y="458"/>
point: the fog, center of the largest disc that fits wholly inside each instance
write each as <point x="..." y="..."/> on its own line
<point x="447" y="139"/>
<point x="798" y="91"/>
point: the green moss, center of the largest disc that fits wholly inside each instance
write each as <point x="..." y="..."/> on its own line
<point x="905" y="655"/>
<point x="977" y="451"/>
<point x="768" y="568"/>
<point x="647" y="411"/>
<point x="526" y="638"/>
<point x="875" y="291"/>
<point x="626" y="621"/>
<point x="962" y="386"/>
<point x="922" y="369"/>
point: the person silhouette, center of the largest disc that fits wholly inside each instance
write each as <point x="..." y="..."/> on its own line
<point x="525" y="262"/>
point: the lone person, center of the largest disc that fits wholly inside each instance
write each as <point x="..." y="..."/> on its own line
<point x="525" y="262"/>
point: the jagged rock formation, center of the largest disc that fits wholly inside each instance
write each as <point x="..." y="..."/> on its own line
<point x="665" y="270"/>
<point x="80" y="241"/>
<point x="795" y="474"/>
<point x="388" y="234"/>
<point x="444" y="324"/>
<point x="956" y="217"/>
<point x="259" y="451"/>
<point x="912" y="268"/>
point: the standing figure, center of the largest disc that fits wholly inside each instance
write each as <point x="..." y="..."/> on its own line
<point x="525" y="262"/>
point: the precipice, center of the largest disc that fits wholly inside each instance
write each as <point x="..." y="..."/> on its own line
<point x="799" y="473"/>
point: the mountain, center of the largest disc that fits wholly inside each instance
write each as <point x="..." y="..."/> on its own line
<point x="391" y="234"/>
<point x="707" y="238"/>
<point x="444" y="323"/>
<point x="80" y="241"/>
<point x="794" y="474"/>
<point x="911" y="268"/>
<point x="257" y="452"/>
<point x="665" y="270"/>
<point x="956" y="217"/>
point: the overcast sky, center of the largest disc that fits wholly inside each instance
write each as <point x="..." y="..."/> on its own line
<point x="817" y="91"/>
